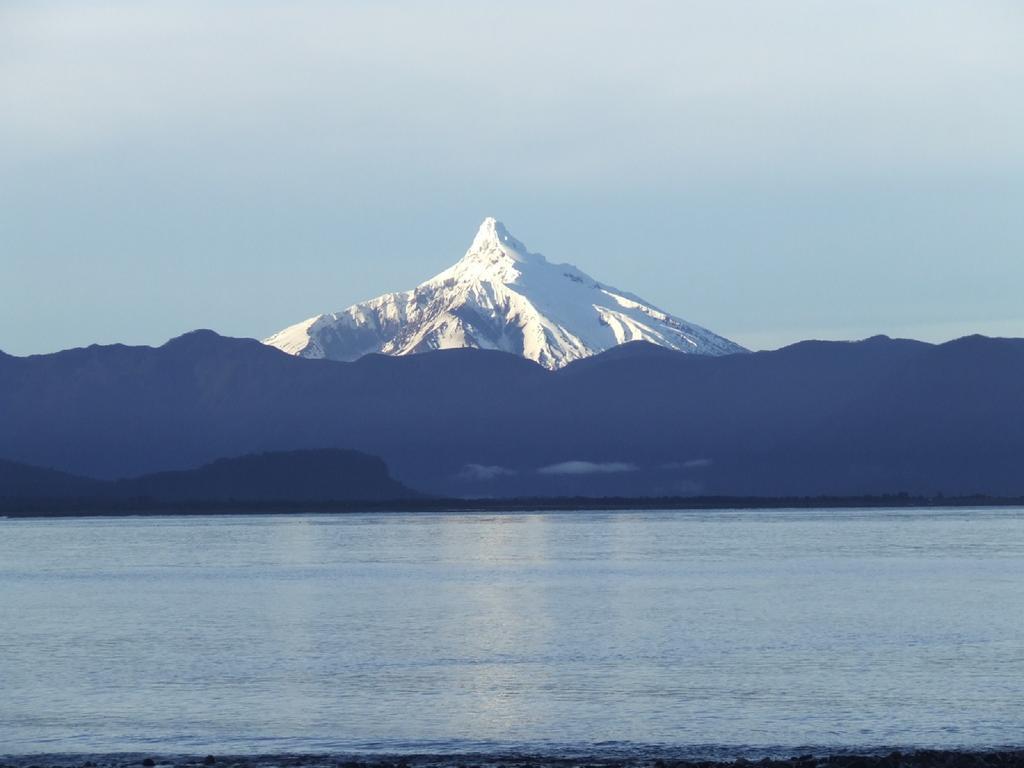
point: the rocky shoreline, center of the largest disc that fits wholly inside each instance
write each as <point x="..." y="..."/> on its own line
<point x="1008" y="758"/>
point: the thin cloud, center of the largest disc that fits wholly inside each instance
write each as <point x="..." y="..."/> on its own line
<point x="480" y="472"/>
<point x="587" y="468"/>
<point x="691" y="464"/>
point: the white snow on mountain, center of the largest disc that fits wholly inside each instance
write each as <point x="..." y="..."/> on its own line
<point x="499" y="296"/>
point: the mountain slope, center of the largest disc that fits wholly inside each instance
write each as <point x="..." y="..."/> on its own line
<point x="499" y="296"/>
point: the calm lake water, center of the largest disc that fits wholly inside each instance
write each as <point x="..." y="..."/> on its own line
<point x="444" y="632"/>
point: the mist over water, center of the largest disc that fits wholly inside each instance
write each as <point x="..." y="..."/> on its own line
<point x="437" y="632"/>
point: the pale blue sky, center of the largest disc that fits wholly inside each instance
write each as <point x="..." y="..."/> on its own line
<point x="772" y="170"/>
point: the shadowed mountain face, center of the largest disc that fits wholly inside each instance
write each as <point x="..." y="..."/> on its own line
<point x="876" y="416"/>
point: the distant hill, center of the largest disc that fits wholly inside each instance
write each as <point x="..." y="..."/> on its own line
<point x="842" y="418"/>
<point x="23" y="481"/>
<point x="291" y="476"/>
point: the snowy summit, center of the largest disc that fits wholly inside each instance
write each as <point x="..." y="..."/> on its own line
<point x="499" y="296"/>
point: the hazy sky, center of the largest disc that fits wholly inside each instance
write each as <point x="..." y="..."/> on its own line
<point x="772" y="170"/>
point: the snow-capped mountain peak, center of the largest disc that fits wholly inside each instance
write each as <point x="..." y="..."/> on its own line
<point x="493" y="237"/>
<point x="494" y="253"/>
<point x="499" y="295"/>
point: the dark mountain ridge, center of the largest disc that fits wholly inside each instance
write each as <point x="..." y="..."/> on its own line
<point x="847" y="418"/>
